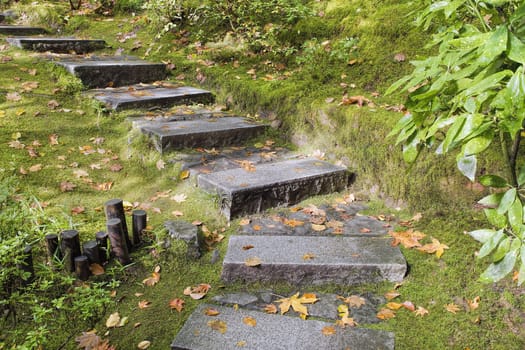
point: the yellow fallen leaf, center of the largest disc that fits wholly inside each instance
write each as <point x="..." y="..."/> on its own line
<point x="113" y="320"/>
<point x="394" y="306"/>
<point x="421" y="311"/>
<point x="211" y="312"/>
<point x="143" y="345"/>
<point x="452" y="308"/>
<point x="318" y="228"/>
<point x="385" y="314"/>
<point x="218" y="325"/>
<point x="328" y="330"/>
<point x="270" y="309"/>
<point x="250" y="321"/>
<point x="253" y="261"/>
<point x="184" y="174"/>
<point x="474" y="303"/>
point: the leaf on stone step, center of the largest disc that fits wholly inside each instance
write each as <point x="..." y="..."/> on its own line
<point x="252" y="261"/>
<point x="353" y="301"/>
<point x="345" y="320"/>
<point x="211" y="312"/>
<point x="365" y="230"/>
<point x="248" y="247"/>
<point x="218" y="325"/>
<point x="256" y="227"/>
<point x="177" y="304"/>
<point x="328" y="330"/>
<point x="246" y="165"/>
<point x="249" y="321"/>
<point x="270" y="309"/>
<point x="296" y="303"/>
<point x="308" y="256"/>
<point x="244" y="222"/>
<point x="385" y="314"/>
<point x="241" y="343"/>
<point x="318" y="228"/>
<point x="293" y="222"/>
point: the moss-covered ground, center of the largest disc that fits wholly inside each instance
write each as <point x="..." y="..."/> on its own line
<point x="305" y="95"/>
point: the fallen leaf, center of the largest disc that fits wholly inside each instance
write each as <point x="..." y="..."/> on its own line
<point x="184" y="174"/>
<point x="434" y="247"/>
<point x="385" y="314"/>
<point x="248" y="247"/>
<point x="143" y="345"/>
<point x="409" y="238"/>
<point x="116" y="167"/>
<point x="104" y="186"/>
<point x="421" y="311"/>
<point x="16" y="144"/>
<point x="211" y="312"/>
<point x="197" y="292"/>
<point x="253" y="261"/>
<point x="359" y="100"/>
<point x="249" y="321"/>
<point x="244" y="222"/>
<point x="241" y="343"/>
<point x="353" y="301"/>
<point x="218" y="325"/>
<point x="96" y="269"/>
<point x="160" y="164"/>
<point x="409" y="305"/>
<point x="394" y="306"/>
<point x="270" y="309"/>
<point x="256" y="227"/>
<point x="13" y="96"/>
<point x="53" y="139"/>
<point x="246" y="165"/>
<point x="345" y="320"/>
<point x="144" y="304"/>
<point x="113" y="320"/>
<point x="474" y="303"/>
<point x="66" y="186"/>
<point x="152" y="280"/>
<point x="309" y="256"/>
<point x="328" y="330"/>
<point x="318" y="228"/>
<point x="88" y="340"/>
<point x="399" y="57"/>
<point x="28" y="86"/>
<point x="79" y="173"/>
<point x="77" y="210"/>
<point x="179" y="198"/>
<point x="453" y="308"/>
<point x="391" y="295"/>
<point x="177" y="213"/>
<point x="296" y="303"/>
<point x="35" y="168"/>
<point x="293" y="222"/>
<point x="53" y="104"/>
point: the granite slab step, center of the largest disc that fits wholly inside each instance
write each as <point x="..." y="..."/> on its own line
<point x="313" y="260"/>
<point x="210" y="132"/>
<point x="57" y="45"/>
<point x="252" y="190"/>
<point x="146" y="96"/>
<point x="21" y="30"/>
<point x="228" y="331"/>
<point x="112" y="71"/>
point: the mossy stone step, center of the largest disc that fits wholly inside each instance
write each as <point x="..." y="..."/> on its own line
<point x="112" y="71"/>
<point x="230" y="330"/>
<point x="144" y="96"/>
<point x="57" y="45"/>
<point x="21" y="30"/>
<point x="209" y="132"/>
<point x="310" y="260"/>
<point x="254" y="189"/>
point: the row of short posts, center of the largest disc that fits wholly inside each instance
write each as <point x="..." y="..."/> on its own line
<point x="78" y="260"/>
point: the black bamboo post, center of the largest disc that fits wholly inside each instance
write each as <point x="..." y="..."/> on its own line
<point x="90" y="250"/>
<point x="70" y="247"/>
<point x="82" y="267"/>
<point x="117" y="240"/>
<point x="102" y="241"/>
<point x="139" y="224"/>
<point x="53" y="249"/>
<point x="114" y="208"/>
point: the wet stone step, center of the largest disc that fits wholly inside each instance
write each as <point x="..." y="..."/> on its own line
<point x="147" y="96"/>
<point x="313" y="260"/>
<point x="257" y="188"/>
<point x="57" y="45"/>
<point x="211" y="132"/>
<point x="228" y="330"/>
<point x="112" y="71"/>
<point x="21" y="30"/>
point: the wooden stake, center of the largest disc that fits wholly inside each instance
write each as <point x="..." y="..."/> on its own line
<point x="90" y="250"/>
<point x="114" y="208"/>
<point x="53" y="249"/>
<point x="117" y="240"/>
<point x="82" y="267"/>
<point x="139" y="220"/>
<point x="70" y="247"/>
<point x="103" y="249"/>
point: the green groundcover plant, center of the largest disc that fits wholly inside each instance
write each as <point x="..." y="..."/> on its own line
<point x="467" y="98"/>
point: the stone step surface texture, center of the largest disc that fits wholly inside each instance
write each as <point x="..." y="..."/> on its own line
<point x="57" y="45"/>
<point x="313" y="260"/>
<point x="276" y="184"/>
<point x="143" y="96"/>
<point x="210" y="132"/>
<point x="17" y="30"/>
<point x="275" y="332"/>
<point x="112" y="71"/>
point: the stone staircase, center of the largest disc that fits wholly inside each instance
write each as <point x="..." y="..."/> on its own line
<point x="247" y="182"/>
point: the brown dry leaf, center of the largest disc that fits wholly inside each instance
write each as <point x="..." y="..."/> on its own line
<point x="113" y="320"/>
<point x="211" y="312"/>
<point x="453" y="308"/>
<point x="309" y="256"/>
<point x="179" y="198"/>
<point x="177" y="213"/>
<point x="53" y="139"/>
<point x="270" y="309"/>
<point x="252" y="261"/>
<point x="29" y="85"/>
<point x="385" y="314"/>
<point x="96" y="269"/>
<point x="328" y="330"/>
<point x="400" y="57"/>
<point x="143" y="345"/>
<point x="218" y="325"/>
<point x="144" y="304"/>
<point x="116" y="167"/>
<point x="104" y="186"/>
<point x="16" y="144"/>
<point x="53" y="104"/>
<point x="88" y="340"/>
<point x="394" y="306"/>
<point x="353" y="301"/>
<point x="80" y="173"/>
<point x="249" y="321"/>
<point x="246" y="165"/>
<point x="152" y="280"/>
<point x="421" y="311"/>
<point x="248" y="247"/>
<point x="197" y="292"/>
<point x="365" y="230"/>
<point x="474" y="303"/>
<point x="241" y="343"/>
<point x="244" y="222"/>
<point x="35" y="168"/>
<point x="13" y="96"/>
<point x="293" y="222"/>
<point x="359" y="100"/>
<point x="78" y="210"/>
<point x="434" y="247"/>
<point x="409" y="305"/>
<point x="66" y="186"/>
<point x="345" y="320"/>
<point x="391" y="295"/>
<point x="256" y="227"/>
<point x="409" y="238"/>
<point x="318" y="228"/>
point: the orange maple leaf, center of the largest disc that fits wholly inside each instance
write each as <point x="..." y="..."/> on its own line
<point x="409" y="239"/>
<point x="434" y="247"/>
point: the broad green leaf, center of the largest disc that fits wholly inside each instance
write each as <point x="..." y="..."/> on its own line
<point x="453" y="132"/>
<point x="495" y="45"/>
<point x="515" y="215"/>
<point x="491" y="244"/>
<point x="487" y="83"/>
<point x="502" y="249"/>
<point x="497" y="271"/>
<point x="521" y="176"/>
<point x="516" y="85"/>
<point x="496" y="2"/>
<point x="477" y="144"/>
<point x="492" y="200"/>
<point x="508" y="199"/>
<point x="516" y="51"/>
<point x="493" y="181"/>
<point x="411" y="151"/>
<point x="521" y="273"/>
<point x="401" y="124"/>
<point x="467" y="165"/>
<point x="483" y="235"/>
<point x="495" y="219"/>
